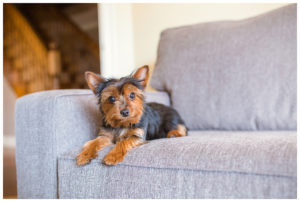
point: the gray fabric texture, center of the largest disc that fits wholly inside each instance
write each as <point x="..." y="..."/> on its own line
<point x="232" y="75"/>
<point x="48" y="124"/>
<point x="206" y="164"/>
<point x="237" y="75"/>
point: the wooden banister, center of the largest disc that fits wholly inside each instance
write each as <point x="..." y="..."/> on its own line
<point x="23" y="25"/>
<point x="26" y="55"/>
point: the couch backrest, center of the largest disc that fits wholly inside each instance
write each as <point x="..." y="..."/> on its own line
<point x="232" y="75"/>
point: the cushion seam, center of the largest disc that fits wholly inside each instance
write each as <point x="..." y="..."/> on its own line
<point x="202" y="170"/>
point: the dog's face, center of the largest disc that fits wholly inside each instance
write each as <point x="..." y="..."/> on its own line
<point x="121" y="101"/>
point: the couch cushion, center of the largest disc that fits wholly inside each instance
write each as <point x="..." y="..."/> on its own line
<point x="266" y="160"/>
<point x="232" y="75"/>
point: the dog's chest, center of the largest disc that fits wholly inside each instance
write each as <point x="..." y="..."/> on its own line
<point x="119" y="134"/>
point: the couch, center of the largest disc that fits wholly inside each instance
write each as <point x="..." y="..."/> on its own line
<point x="233" y="82"/>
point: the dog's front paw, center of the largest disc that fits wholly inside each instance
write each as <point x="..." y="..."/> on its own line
<point x="85" y="157"/>
<point x="113" y="158"/>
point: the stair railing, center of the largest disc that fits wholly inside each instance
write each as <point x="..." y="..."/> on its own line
<point x="30" y="64"/>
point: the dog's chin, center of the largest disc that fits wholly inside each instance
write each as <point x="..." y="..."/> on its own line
<point x="120" y="122"/>
<point x="128" y="121"/>
<point x="125" y="122"/>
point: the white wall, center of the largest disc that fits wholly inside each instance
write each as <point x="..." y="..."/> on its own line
<point x="136" y="28"/>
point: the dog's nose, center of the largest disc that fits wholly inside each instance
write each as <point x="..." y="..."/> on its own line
<point x="124" y="112"/>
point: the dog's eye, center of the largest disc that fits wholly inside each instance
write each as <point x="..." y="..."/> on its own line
<point x="111" y="99"/>
<point x="132" y="95"/>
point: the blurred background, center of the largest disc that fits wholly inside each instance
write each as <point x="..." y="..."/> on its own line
<point x="46" y="46"/>
<point x="50" y="46"/>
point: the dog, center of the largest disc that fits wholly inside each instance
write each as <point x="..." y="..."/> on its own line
<point x="127" y="121"/>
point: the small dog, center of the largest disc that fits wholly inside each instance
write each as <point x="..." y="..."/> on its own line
<point x="127" y="120"/>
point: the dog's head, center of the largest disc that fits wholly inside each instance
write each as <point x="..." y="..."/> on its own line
<point x="121" y="100"/>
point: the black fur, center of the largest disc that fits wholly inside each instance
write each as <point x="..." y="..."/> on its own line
<point x="119" y="83"/>
<point x="158" y="120"/>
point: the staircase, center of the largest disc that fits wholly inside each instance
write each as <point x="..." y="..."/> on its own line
<point x="45" y="49"/>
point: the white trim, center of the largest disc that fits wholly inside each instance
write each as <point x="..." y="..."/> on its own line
<point x="116" y="39"/>
<point x="9" y="140"/>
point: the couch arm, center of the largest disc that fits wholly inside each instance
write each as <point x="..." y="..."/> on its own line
<point x="48" y="124"/>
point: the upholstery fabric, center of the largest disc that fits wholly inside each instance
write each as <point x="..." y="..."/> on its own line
<point x="232" y="75"/>
<point x="206" y="164"/>
<point x="49" y="123"/>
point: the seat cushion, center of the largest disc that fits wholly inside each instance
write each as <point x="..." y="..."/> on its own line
<point x="232" y="75"/>
<point x="211" y="164"/>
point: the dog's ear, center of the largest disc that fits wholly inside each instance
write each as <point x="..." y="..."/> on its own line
<point x="142" y="75"/>
<point x="93" y="80"/>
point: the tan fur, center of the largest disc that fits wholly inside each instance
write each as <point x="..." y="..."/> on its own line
<point x="93" y="80"/>
<point x="112" y="111"/>
<point x="180" y="131"/>
<point x="105" y="132"/>
<point x="135" y="106"/>
<point x="125" y="139"/>
<point x="142" y="74"/>
<point x="138" y="132"/>
<point x="117" y="154"/>
<point x="91" y="148"/>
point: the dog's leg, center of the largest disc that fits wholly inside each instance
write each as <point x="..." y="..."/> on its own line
<point x="180" y="131"/>
<point x="91" y="148"/>
<point x="117" y="154"/>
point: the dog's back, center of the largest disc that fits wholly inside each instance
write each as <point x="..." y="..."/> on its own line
<point x="159" y="120"/>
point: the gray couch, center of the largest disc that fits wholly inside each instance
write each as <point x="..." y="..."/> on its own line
<point x="233" y="82"/>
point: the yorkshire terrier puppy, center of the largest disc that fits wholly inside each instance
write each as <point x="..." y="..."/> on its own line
<point x="127" y="121"/>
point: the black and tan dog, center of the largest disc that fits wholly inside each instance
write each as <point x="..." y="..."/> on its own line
<point x="127" y="120"/>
